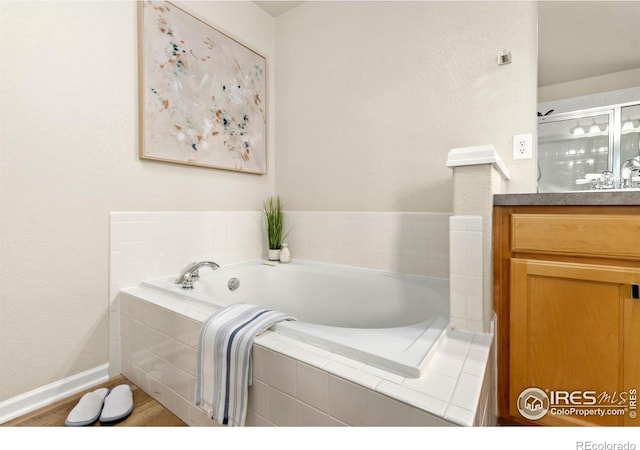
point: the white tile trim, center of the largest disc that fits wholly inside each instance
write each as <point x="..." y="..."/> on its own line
<point x="479" y="154"/>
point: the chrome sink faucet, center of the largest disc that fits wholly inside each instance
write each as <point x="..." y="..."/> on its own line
<point x="190" y="273"/>
<point x="629" y="166"/>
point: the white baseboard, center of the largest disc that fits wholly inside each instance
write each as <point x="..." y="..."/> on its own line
<point x="50" y="393"/>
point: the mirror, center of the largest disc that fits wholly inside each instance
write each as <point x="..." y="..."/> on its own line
<point x="588" y="94"/>
<point x="582" y="40"/>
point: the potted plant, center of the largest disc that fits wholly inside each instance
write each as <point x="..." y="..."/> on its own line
<point x="274" y="217"/>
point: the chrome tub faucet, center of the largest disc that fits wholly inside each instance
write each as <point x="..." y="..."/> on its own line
<point x="629" y="166"/>
<point x="191" y="272"/>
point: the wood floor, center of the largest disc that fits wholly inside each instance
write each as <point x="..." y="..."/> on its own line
<point x="146" y="411"/>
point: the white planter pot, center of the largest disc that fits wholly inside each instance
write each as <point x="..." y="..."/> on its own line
<point x="274" y="255"/>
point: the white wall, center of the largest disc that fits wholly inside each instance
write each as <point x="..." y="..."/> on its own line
<point x="627" y="79"/>
<point x="373" y="95"/>
<point x="69" y="156"/>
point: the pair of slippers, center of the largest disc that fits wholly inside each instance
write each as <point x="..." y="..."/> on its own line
<point x="110" y="406"/>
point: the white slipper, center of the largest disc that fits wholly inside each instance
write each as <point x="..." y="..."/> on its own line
<point x="88" y="409"/>
<point x="117" y="405"/>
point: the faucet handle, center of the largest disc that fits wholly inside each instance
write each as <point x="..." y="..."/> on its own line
<point x="184" y="272"/>
<point x="187" y="281"/>
<point x="188" y="267"/>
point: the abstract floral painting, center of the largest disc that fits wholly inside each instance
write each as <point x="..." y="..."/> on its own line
<point x="202" y="93"/>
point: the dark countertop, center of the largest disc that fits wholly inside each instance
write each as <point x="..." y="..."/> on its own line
<point x="587" y="198"/>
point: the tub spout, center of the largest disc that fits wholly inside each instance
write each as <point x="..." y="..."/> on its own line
<point x="189" y="273"/>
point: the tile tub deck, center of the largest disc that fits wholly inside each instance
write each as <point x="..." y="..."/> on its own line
<point x="295" y="383"/>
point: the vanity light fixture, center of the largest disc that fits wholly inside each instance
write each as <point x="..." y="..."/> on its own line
<point x="577" y="130"/>
<point x="630" y="125"/>
<point x="595" y="128"/>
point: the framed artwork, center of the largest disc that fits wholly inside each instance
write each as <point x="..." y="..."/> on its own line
<point x="202" y="93"/>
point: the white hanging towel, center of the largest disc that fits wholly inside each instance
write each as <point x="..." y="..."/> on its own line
<point x="224" y="359"/>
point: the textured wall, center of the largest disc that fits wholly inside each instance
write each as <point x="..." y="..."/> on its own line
<point x="590" y="86"/>
<point x="373" y="95"/>
<point x="69" y="156"/>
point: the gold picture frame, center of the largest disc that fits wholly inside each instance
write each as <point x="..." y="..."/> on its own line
<point x="202" y="93"/>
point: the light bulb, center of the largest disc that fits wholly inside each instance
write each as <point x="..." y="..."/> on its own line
<point x="577" y="130"/>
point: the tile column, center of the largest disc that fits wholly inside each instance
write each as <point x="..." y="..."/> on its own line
<point x="478" y="174"/>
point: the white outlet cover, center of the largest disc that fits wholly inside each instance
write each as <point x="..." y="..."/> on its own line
<point x="523" y="146"/>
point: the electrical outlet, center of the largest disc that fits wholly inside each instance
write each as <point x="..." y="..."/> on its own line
<point x="523" y="146"/>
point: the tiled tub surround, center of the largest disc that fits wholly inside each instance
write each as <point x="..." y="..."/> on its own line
<point x="298" y="384"/>
<point x="147" y="245"/>
<point x="414" y="243"/>
<point x="466" y="273"/>
<point x="294" y="383"/>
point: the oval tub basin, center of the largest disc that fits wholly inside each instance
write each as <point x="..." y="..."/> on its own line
<point x="387" y="320"/>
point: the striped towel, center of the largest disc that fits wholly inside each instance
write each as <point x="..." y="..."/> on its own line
<point x="224" y="359"/>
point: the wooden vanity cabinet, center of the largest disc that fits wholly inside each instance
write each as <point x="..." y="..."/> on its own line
<point x="566" y="319"/>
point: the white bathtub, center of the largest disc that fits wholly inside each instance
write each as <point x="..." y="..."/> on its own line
<point x="390" y="321"/>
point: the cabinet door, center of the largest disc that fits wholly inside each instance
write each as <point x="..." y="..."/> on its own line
<point x="575" y="335"/>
